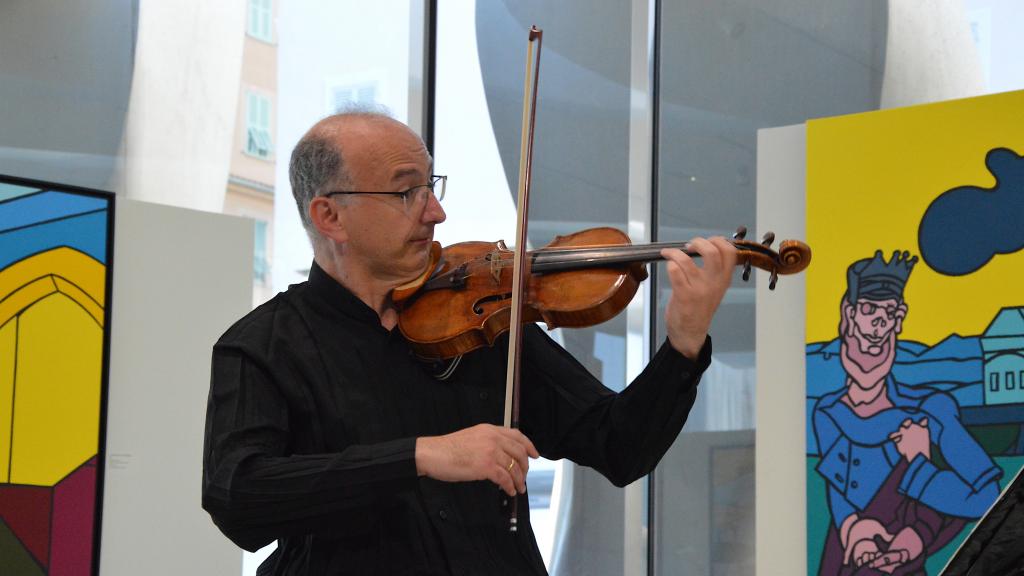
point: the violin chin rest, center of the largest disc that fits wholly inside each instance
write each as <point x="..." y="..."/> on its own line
<point x="405" y="291"/>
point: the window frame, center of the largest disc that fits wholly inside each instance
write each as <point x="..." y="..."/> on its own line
<point x="259" y="20"/>
<point x="258" y="141"/>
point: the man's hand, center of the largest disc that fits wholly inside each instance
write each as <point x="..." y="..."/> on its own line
<point x="864" y="552"/>
<point x="859" y="544"/>
<point x="912" y="439"/>
<point x="483" y="452"/>
<point x="906" y="546"/>
<point x="696" y="291"/>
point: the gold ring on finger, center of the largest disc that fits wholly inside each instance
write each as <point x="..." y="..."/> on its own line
<point x="511" y="465"/>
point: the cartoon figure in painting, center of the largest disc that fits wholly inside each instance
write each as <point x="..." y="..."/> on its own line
<point x="903" y="474"/>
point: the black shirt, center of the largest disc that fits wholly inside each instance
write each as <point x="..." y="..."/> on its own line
<point x="312" y="421"/>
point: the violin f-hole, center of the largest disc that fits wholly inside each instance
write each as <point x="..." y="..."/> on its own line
<point x="478" y="308"/>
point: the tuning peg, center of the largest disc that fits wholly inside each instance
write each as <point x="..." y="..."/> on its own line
<point x="768" y="238"/>
<point x="771" y="281"/>
<point x="740" y="233"/>
<point x="746" y="270"/>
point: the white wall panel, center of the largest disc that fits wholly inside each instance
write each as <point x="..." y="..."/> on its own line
<point x="181" y="277"/>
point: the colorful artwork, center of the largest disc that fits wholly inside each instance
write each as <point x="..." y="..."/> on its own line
<point x="54" y="276"/>
<point x="915" y="330"/>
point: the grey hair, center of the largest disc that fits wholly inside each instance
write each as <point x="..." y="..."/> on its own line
<point x="317" y="162"/>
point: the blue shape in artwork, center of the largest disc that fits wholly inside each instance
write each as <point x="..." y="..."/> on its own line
<point x="8" y="191"/>
<point x="965" y="227"/>
<point x="955" y="365"/>
<point x="45" y="206"/>
<point x="86" y="233"/>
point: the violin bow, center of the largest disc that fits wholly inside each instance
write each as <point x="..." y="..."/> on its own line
<point x="521" y="264"/>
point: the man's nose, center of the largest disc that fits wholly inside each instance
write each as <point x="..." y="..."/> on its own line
<point x="433" y="212"/>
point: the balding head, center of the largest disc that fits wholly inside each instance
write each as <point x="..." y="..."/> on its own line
<point x="318" y="160"/>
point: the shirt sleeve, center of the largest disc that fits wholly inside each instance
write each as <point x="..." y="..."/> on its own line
<point x="256" y="490"/>
<point x="570" y="414"/>
<point x="969" y="486"/>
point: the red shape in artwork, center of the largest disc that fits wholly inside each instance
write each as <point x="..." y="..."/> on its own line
<point x="26" y="511"/>
<point x="74" y="503"/>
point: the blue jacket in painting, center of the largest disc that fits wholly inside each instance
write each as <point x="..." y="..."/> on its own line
<point x="857" y="454"/>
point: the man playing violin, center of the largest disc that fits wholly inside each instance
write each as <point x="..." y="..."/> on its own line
<point x="326" y="434"/>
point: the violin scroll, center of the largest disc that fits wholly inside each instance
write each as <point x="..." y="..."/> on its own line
<point x="793" y="255"/>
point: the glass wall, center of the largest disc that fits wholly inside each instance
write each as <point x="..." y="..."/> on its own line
<point x="728" y="69"/>
<point x="580" y="179"/>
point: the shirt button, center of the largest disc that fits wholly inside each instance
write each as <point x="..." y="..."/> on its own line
<point x="483" y="395"/>
<point x="856" y="461"/>
<point x="853" y="484"/>
<point x="842" y="457"/>
<point x="838" y="477"/>
<point x="443" y="514"/>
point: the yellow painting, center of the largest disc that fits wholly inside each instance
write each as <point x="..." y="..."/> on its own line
<point x="915" y="329"/>
<point x="54" y="247"/>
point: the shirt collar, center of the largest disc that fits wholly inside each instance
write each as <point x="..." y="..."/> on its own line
<point x="332" y="293"/>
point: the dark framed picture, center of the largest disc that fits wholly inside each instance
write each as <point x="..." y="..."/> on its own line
<point x="56" y="248"/>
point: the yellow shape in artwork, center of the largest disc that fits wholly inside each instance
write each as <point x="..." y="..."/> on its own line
<point x="51" y="334"/>
<point x="8" y="333"/>
<point x="25" y="281"/>
<point x="881" y="171"/>
<point x="57" y="394"/>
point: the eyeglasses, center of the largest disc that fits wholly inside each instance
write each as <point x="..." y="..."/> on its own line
<point x="415" y="196"/>
<point x="867" y="309"/>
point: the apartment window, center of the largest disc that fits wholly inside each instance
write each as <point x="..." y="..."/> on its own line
<point x="260" y="12"/>
<point x="260" y="265"/>
<point x="993" y="382"/>
<point x="257" y="141"/>
<point x="1010" y="384"/>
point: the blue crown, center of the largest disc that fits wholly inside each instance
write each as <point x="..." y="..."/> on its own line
<point x="876" y="279"/>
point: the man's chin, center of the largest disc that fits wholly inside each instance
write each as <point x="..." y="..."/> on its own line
<point x="867" y="368"/>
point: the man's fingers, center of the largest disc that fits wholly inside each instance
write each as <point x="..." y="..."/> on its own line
<point x="503" y="478"/>
<point x="885" y="559"/>
<point x="516" y="464"/>
<point x="726" y="252"/>
<point x="685" y="268"/>
<point x="521" y="438"/>
<point x="517" y="451"/>
<point x="519" y="448"/>
<point x="518" y="478"/>
<point x="865" y="558"/>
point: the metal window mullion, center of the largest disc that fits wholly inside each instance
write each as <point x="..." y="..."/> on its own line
<point x="637" y="548"/>
<point x="422" y="68"/>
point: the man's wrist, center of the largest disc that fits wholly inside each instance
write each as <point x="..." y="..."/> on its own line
<point x="422" y="447"/>
<point x="688" y="346"/>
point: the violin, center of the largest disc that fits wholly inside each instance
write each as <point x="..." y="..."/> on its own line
<point x="463" y="300"/>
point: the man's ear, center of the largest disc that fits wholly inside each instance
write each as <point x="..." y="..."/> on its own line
<point x="847" y="318"/>
<point x="326" y="216"/>
<point x="901" y="313"/>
